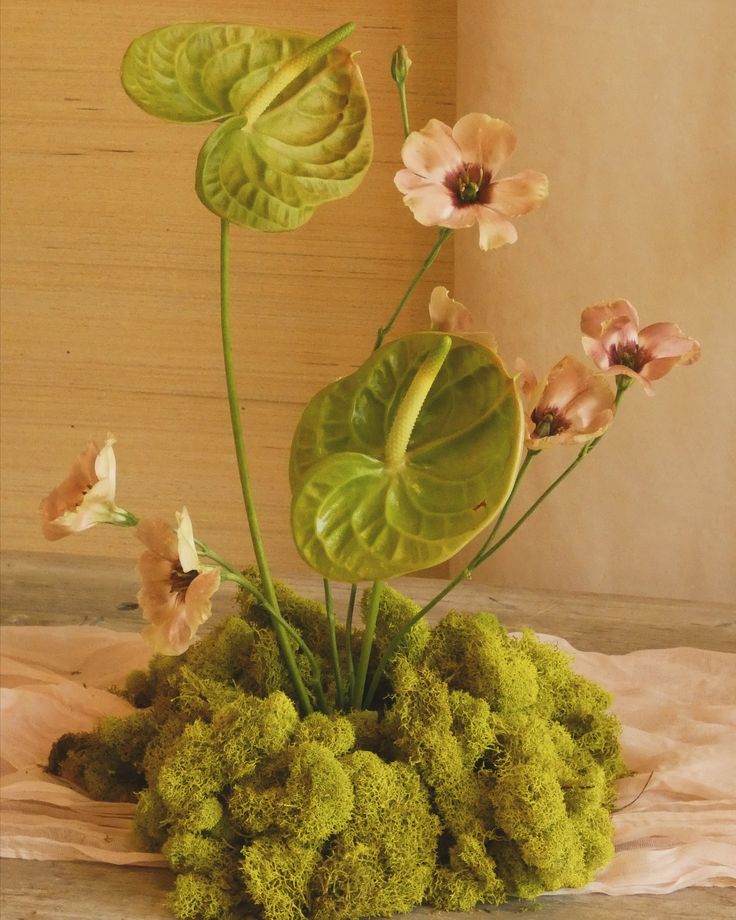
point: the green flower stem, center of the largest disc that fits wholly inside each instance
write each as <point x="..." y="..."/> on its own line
<point x="239" y="439"/>
<point x="349" y="636"/>
<point x="366" y="646"/>
<point x="444" y="234"/>
<point x="334" y="655"/>
<point x="404" y="109"/>
<point x="291" y="69"/>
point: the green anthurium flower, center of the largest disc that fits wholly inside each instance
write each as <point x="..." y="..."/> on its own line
<point x="397" y="466"/>
<point x="296" y="128"/>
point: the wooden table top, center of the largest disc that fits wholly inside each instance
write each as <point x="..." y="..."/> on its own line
<point x="49" y="589"/>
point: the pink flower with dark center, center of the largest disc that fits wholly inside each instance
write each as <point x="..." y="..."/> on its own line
<point x="613" y="341"/>
<point x="573" y="405"/>
<point x="86" y="497"/>
<point x="176" y="590"/>
<point x="451" y="178"/>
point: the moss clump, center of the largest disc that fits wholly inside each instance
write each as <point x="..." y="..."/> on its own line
<point x="382" y="862"/>
<point x="486" y="772"/>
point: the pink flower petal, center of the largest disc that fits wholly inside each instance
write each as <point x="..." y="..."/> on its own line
<point x="431" y="152"/>
<point x="667" y="340"/>
<point x="197" y="600"/>
<point x="519" y="194"/>
<point x="495" y="230"/>
<point x="158" y="537"/>
<point x="483" y="140"/>
<point x="430" y="203"/>
<point x="595" y="318"/>
<point x="448" y="315"/>
<point x="566" y="381"/>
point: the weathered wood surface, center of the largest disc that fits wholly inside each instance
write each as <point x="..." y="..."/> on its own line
<point x="46" y="589"/>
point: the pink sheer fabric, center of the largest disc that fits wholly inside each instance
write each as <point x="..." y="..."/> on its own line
<point x="679" y="738"/>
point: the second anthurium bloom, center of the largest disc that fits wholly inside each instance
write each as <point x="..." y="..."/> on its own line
<point x="176" y="589"/>
<point x="572" y="406"/>
<point x="451" y="178"/>
<point x="613" y="340"/>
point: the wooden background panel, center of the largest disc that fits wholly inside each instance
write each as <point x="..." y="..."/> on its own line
<point x="110" y="302"/>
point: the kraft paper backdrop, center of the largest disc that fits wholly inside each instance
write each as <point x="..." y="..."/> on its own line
<point x="676" y="825"/>
<point x="630" y="108"/>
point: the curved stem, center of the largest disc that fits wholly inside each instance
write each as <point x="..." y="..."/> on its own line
<point x="366" y="646"/>
<point x="334" y="654"/>
<point x="239" y="440"/>
<point x="444" y="234"/>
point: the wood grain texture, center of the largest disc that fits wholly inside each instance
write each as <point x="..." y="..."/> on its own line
<point x="46" y="589"/>
<point x="110" y="300"/>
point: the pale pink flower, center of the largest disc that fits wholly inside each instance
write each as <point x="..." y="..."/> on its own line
<point x="176" y="590"/>
<point x="86" y="497"/>
<point x="448" y="315"/>
<point x="613" y="341"/>
<point x="573" y="405"/>
<point x="451" y="180"/>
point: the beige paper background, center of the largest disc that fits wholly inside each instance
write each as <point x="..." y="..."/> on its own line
<point x="630" y="108"/>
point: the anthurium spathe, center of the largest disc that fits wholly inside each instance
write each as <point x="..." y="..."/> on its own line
<point x="86" y="497"/>
<point x="384" y="483"/>
<point x="571" y="406"/>
<point x="613" y="340"/>
<point x="176" y="589"/>
<point x="451" y="179"/>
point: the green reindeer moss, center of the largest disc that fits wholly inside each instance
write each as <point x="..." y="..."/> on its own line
<point x="485" y="774"/>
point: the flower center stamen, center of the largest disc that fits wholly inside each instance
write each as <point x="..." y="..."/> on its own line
<point x="468" y="184"/>
<point x="630" y="355"/>
<point x="548" y="422"/>
<point x="180" y="580"/>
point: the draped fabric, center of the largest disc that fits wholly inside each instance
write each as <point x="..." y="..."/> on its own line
<point x="676" y="819"/>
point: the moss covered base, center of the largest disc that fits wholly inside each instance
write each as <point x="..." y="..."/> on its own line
<point x="486" y="773"/>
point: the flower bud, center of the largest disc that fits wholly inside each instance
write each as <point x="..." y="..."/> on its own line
<point x="400" y="64"/>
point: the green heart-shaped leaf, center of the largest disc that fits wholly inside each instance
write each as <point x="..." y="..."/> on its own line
<point x="357" y="516"/>
<point x="309" y="144"/>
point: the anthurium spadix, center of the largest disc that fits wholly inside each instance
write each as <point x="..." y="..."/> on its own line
<point x="295" y="127"/>
<point x="397" y="466"/>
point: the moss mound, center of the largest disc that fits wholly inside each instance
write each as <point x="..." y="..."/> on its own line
<point x="486" y="774"/>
